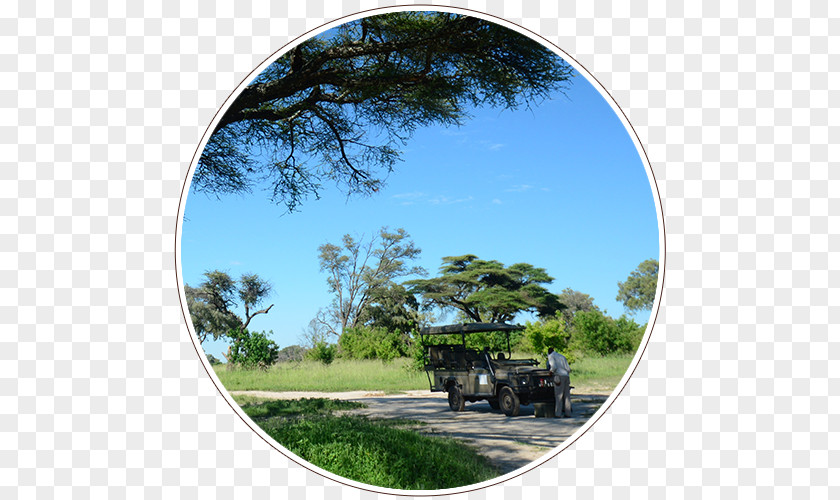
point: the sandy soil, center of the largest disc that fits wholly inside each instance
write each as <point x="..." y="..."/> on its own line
<point x="509" y="442"/>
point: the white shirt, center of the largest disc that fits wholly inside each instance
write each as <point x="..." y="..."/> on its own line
<point x="558" y="365"/>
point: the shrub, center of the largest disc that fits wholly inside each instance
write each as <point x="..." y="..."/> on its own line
<point x="417" y="356"/>
<point x="631" y="332"/>
<point x="323" y="352"/>
<point x="547" y="333"/>
<point x="596" y="332"/>
<point x="372" y="343"/>
<point x="251" y="349"/>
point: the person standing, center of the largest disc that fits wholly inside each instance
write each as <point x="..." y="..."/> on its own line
<point x="559" y="368"/>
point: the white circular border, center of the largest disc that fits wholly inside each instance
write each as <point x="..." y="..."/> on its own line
<point x="642" y="155"/>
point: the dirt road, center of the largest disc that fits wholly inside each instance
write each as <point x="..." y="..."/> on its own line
<point x="509" y="442"/>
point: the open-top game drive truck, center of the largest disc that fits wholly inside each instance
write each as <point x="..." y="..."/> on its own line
<point x="472" y="375"/>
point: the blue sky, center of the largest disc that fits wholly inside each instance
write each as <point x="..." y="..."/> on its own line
<point x="560" y="186"/>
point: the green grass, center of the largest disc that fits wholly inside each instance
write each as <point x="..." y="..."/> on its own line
<point x="594" y="374"/>
<point x="591" y="374"/>
<point x="340" y="376"/>
<point x="260" y="409"/>
<point x="380" y="453"/>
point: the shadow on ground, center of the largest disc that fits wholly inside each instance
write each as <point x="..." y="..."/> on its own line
<point x="509" y="442"/>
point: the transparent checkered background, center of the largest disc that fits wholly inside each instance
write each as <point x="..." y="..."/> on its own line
<point x="102" y="392"/>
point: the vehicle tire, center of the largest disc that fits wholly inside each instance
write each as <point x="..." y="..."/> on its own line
<point x="494" y="403"/>
<point x="456" y="399"/>
<point x="509" y="402"/>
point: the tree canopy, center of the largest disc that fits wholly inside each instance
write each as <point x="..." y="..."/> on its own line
<point x="486" y="290"/>
<point x="337" y="107"/>
<point x="361" y="274"/>
<point x="211" y="304"/>
<point x="639" y="290"/>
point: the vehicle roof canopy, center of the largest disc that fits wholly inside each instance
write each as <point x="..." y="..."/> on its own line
<point x="462" y="328"/>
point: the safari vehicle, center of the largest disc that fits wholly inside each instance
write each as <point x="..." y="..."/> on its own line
<point x="472" y="375"/>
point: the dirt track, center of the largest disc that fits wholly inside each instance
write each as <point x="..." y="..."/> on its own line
<point x="509" y="442"/>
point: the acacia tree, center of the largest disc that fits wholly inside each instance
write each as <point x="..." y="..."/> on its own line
<point x="486" y="290"/>
<point x="211" y="304"/>
<point x="360" y="272"/>
<point x="639" y="290"/>
<point x="337" y="107"/>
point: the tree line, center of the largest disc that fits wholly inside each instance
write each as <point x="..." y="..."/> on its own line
<point x="380" y="301"/>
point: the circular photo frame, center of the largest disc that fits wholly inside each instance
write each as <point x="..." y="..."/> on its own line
<point x="399" y="243"/>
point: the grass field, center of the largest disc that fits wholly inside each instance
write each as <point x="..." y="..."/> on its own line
<point x="594" y="375"/>
<point x="381" y="453"/>
<point x="341" y="375"/>
<point x="385" y="453"/>
<point x="599" y="375"/>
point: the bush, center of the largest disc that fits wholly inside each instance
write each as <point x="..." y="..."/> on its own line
<point x="372" y="343"/>
<point x="547" y="333"/>
<point x="213" y="360"/>
<point x="323" y="352"/>
<point x="631" y="331"/>
<point x="596" y="332"/>
<point x="251" y="349"/>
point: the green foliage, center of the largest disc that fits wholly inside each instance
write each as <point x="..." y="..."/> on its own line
<point x="364" y="342"/>
<point x="549" y="333"/>
<point x="337" y="108"/>
<point x="251" y="349"/>
<point x="211" y="304"/>
<point x="631" y="331"/>
<point x="487" y="291"/>
<point x="361" y="274"/>
<point x="209" y="313"/>
<point x="598" y="333"/>
<point x="573" y="301"/>
<point x="391" y="307"/>
<point x="639" y="290"/>
<point x="496" y="341"/>
<point x="323" y="352"/>
<point x="416" y="357"/>
<point x="213" y="360"/>
<point x="376" y="453"/>
<point x="261" y="409"/>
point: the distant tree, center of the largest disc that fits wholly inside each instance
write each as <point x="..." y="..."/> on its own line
<point x="338" y="107"/>
<point x="208" y="318"/>
<point x="486" y="290"/>
<point x="252" y="291"/>
<point x="574" y="301"/>
<point x="211" y="303"/>
<point x="291" y="353"/>
<point x="360" y="272"/>
<point x="639" y="290"/>
<point x="393" y="308"/>
<point x="315" y="332"/>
